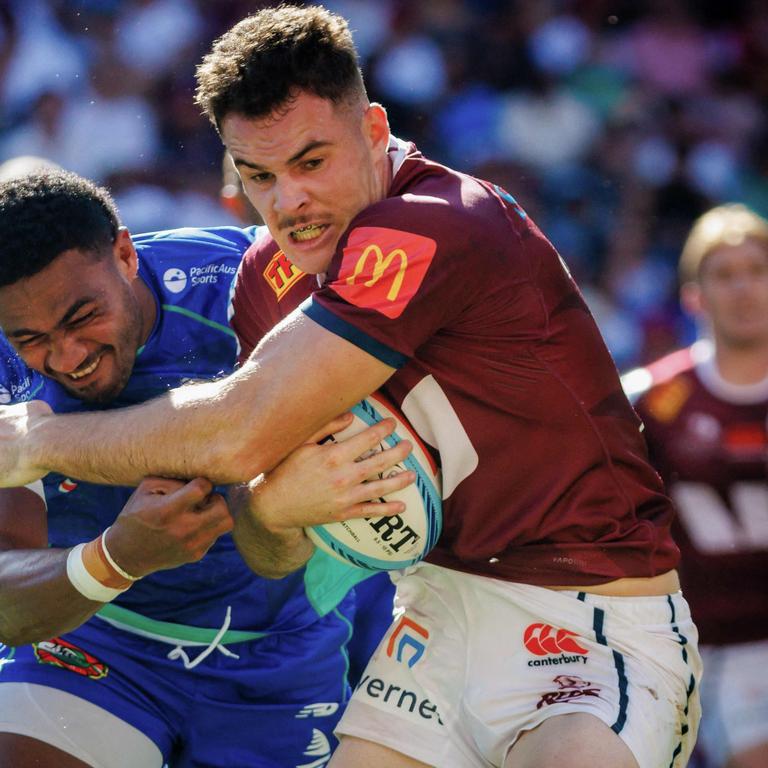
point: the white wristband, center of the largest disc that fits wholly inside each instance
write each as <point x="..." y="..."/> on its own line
<point x="111" y="561"/>
<point x="82" y="580"/>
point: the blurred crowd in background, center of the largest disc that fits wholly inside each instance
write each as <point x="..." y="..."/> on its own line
<point x="613" y="122"/>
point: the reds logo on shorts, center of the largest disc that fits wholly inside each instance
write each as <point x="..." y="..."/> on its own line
<point x="571" y="687"/>
<point x="60" y="653"/>
<point x="382" y="268"/>
<point x="558" y="646"/>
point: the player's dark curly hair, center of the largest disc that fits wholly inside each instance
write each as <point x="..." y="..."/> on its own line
<point x="44" y="214"/>
<point x="260" y="64"/>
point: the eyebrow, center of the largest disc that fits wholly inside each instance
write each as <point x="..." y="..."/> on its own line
<point x="313" y="145"/>
<point x="73" y="310"/>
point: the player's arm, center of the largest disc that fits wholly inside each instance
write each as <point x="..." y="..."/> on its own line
<point x="231" y="430"/>
<point x="37" y="600"/>
<point x="319" y="482"/>
<point x="164" y="524"/>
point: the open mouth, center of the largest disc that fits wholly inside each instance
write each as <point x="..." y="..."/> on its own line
<point x="308" y="232"/>
<point x="86" y="371"/>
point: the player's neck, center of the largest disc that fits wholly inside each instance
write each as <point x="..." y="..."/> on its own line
<point x="147" y="307"/>
<point x="384" y="175"/>
<point x="742" y="366"/>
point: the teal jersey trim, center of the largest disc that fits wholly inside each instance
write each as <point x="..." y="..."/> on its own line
<point x="344" y="651"/>
<point x="200" y="319"/>
<point x="327" y="581"/>
<point x="168" y="631"/>
<point x="36" y="390"/>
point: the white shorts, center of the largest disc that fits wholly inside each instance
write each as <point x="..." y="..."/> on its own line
<point x="68" y="723"/>
<point x="734" y="700"/>
<point x="470" y="663"/>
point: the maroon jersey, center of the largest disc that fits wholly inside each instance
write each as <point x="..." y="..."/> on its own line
<point x="501" y="369"/>
<point x="271" y="290"/>
<point x="708" y="440"/>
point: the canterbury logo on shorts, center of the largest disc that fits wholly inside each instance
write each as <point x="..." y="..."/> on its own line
<point x="545" y="640"/>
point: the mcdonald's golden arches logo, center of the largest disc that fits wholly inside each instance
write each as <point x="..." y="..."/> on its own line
<point x="382" y="268"/>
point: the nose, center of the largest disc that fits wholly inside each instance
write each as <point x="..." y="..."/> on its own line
<point x="290" y="196"/>
<point x="66" y="354"/>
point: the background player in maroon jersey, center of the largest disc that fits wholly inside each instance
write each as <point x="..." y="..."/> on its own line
<point x="440" y="290"/>
<point x="705" y="411"/>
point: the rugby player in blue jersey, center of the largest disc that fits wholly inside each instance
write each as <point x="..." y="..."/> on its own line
<point x="135" y="635"/>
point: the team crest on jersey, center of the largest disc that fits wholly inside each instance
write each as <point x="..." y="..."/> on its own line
<point x="382" y="268"/>
<point x="281" y="274"/>
<point x="60" y="653"/>
<point x="665" y="400"/>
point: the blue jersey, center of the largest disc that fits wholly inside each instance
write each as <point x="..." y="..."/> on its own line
<point x="190" y="272"/>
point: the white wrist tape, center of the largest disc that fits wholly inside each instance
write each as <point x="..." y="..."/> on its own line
<point x="84" y="583"/>
<point x="117" y="568"/>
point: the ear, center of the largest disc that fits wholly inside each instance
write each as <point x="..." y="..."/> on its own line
<point x="692" y="300"/>
<point x="126" y="258"/>
<point x="376" y="127"/>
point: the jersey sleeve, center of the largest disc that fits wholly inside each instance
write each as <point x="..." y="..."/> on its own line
<point x="268" y="287"/>
<point x="406" y="270"/>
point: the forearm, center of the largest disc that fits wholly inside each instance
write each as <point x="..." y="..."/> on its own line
<point x="37" y="600"/>
<point x="189" y="432"/>
<point x="270" y="552"/>
<point x="230" y="430"/>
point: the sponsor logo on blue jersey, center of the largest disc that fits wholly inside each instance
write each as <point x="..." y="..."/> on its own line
<point x="176" y="280"/>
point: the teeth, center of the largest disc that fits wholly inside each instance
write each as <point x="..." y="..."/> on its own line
<point x="309" y="232"/>
<point x="86" y="371"/>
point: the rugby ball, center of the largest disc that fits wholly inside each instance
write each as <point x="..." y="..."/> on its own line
<point x="390" y="542"/>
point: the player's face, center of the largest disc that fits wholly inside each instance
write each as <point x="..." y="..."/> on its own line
<point x="309" y="169"/>
<point x="734" y="293"/>
<point x="78" y="321"/>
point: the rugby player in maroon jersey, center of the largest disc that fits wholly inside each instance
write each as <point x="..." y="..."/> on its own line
<point x="705" y="410"/>
<point x="440" y="290"/>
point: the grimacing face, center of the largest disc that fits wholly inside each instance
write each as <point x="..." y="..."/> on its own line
<point x="309" y="169"/>
<point x="733" y="287"/>
<point x="78" y="321"/>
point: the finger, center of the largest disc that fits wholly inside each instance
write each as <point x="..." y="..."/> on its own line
<point x="160" y="485"/>
<point x="357" y="445"/>
<point x="377" y="489"/>
<point x="213" y="504"/>
<point x="381" y="461"/>
<point x="337" y="425"/>
<point x="372" y="509"/>
<point x="213" y="523"/>
<point x="193" y="492"/>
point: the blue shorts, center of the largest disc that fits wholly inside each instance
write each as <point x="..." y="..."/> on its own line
<point x="375" y="599"/>
<point x="273" y="707"/>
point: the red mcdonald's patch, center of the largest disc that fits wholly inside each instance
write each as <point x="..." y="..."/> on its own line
<point x="382" y="268"/>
